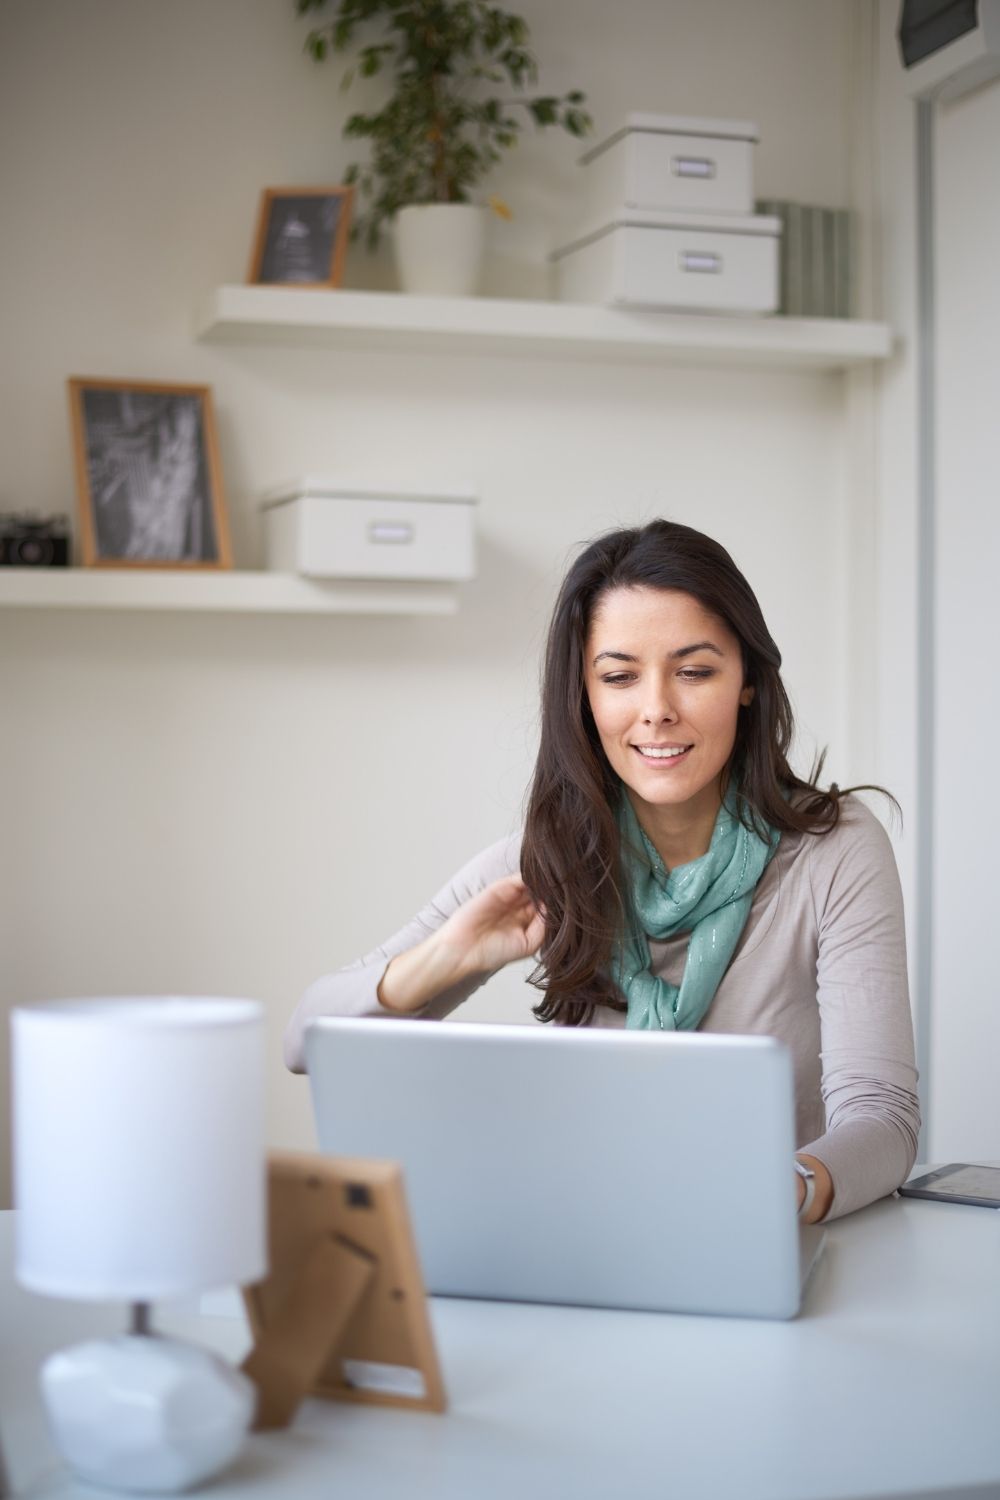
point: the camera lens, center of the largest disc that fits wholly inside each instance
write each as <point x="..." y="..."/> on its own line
<point x="34" y="551"/>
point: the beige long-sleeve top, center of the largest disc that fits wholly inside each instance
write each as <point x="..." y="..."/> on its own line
<point x="821" y="964"/>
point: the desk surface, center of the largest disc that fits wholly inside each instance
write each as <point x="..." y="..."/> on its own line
<point x="887" y="1384"/>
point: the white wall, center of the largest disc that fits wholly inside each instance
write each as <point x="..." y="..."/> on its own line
<point x="946" y="796"/>
<point x="965" y="1098"/>
<point x="235" y="804"/>
<point x="884" y="659"/>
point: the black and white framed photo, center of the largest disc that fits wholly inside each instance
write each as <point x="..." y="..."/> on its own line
<point x="301" y="236"/>
<point x="149" y="483"/>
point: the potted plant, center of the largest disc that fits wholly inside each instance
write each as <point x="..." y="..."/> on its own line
<point x="442" y="128"/>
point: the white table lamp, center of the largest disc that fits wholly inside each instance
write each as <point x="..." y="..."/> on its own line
<point x="139" y="1175"/>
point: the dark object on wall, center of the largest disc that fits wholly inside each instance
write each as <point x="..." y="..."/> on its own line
<point x="34" y="541"/>
<point x="948" y="47"/>
<point x="925" y="26"/>
<point x="301" y="236"/>
<point x="149" y="481"/>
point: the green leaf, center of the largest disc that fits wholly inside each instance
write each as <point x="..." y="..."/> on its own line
<point x="545" y="111"/>
<point x="360" y="125"/>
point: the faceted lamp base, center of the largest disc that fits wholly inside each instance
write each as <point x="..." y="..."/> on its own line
<point x="145" y="1413"/>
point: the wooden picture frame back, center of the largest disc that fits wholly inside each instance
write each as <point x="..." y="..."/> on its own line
<point x="343" y="1305"/>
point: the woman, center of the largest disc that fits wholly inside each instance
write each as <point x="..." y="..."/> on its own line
<point x="674" y="873"/>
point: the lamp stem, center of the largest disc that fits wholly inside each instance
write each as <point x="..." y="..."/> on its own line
<point x="141" y="1326"/>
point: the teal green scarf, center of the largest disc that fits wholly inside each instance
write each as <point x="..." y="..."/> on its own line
<point x="710" y="898"/>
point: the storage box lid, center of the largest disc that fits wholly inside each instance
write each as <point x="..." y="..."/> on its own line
<point x="643" y="218"/>
<point x="727" y="130"/>
<point x="323" y="487"/>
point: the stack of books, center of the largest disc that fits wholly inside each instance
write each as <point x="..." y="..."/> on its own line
<point x="816" y="260"/>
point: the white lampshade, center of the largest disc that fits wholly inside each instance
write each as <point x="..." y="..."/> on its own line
<point x="139" y="1146"/>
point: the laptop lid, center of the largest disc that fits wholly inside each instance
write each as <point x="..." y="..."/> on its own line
<point x="644" y="1170"/>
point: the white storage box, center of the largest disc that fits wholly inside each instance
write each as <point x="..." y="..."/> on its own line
<point x="674" y="261"/>
<point x="326" y="530"/>
<point x="671" y="162"/>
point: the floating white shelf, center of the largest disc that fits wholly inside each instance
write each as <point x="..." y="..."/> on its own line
<point x="561" y="330"/>
<point x="245" y="592"/>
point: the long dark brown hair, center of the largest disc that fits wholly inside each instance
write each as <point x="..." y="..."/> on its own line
<point x="570" y="855"/>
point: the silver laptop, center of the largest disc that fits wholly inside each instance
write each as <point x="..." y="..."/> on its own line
<point x="600" y="1168"/>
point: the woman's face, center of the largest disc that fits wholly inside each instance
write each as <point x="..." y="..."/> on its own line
<point x="664" y="678"/>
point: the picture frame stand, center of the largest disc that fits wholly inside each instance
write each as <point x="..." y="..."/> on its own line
<point x="288" y="1357"/>
<point x="342" y="1312"/>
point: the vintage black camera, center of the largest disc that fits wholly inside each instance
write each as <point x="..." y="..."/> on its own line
<point x="34" y="541"/>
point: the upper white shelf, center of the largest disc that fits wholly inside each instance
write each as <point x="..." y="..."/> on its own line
<point x="561" y="330"/>
<point x="243" y="592"/>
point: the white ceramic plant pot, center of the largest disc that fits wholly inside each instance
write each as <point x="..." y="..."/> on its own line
<point x="439" y="248"/>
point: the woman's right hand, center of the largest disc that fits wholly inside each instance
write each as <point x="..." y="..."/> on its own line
<point x="498" y="926"/>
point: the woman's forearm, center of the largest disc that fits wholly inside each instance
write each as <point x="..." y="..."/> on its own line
<point x="414" y="978"/>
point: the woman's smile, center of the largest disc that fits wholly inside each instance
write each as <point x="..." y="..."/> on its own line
<point x="665" y="754"/>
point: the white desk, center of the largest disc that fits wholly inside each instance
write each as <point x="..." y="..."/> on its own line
<point x="887" y="1384"/>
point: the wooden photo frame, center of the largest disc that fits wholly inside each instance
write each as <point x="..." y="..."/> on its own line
<point x="148" y="476"/>
<point x="342" y="1312"/>
<point x="301" y="237"/>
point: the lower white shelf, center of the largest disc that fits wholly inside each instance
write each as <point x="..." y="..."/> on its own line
<point x="242" y="592"/>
